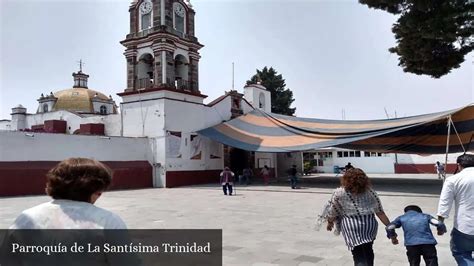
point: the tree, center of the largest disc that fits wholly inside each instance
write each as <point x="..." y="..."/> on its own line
<point x="433" y="36"/>
<point x="282" y="98"/>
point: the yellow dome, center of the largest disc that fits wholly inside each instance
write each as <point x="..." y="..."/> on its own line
<point x="77" y="100"/>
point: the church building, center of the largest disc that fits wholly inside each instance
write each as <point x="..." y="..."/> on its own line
<point x="162" y="103"/>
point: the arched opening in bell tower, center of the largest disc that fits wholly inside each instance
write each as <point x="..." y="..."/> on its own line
<point x="145" y="76"/>
<point x="181" y="66"/>
<point x="261" y="101"/>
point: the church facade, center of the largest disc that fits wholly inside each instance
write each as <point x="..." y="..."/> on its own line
<point x="161" y="103"/>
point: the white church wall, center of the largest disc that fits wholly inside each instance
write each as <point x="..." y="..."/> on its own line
<point x="218" y="113"/>
<point x="112" y="123"/>
<point x="18" y="146"/>
<point x="73" y="120"/>
<point x="143" y="118"/>
<point x="187" y="118"/>
<point x="5" y="125"/>
<point x="246" y="107"/>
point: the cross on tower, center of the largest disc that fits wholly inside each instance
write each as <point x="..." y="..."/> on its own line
<point x="80" y="65"/>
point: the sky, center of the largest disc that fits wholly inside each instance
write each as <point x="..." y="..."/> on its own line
<point x="333" y="54"/>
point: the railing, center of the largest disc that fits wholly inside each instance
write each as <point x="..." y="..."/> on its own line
<point x="145" y="83"/>
<point x="184" y="85"/>
<point x="179" y="84"/>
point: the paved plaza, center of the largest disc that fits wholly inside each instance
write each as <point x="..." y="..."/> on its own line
<point x="265" y="225"/>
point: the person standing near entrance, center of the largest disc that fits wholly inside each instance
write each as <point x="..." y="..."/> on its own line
<point x="266" y="174"/>
<point x="247" y="174"/>
<point x="459" y="189"/>
<point x="292" y="173"/>
<point x="227" y="180"/>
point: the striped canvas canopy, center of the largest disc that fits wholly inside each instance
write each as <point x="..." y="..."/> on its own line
<point x="422" y="134"/>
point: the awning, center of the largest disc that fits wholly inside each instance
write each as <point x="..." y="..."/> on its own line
<point x="422" y="134"/>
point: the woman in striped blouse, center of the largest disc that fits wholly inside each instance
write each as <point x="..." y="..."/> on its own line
<point x="354" y="205"/>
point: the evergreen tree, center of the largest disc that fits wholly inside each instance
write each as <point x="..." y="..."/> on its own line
<point x="282" y="98"/>
<point x="433" y="36"/>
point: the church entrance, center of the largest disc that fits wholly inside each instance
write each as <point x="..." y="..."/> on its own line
<point x="238" y="159"/>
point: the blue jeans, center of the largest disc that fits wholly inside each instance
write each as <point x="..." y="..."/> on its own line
<point x="462" y="248"/>
<point x="293" y="181"/>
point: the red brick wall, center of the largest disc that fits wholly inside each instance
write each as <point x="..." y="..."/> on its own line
<point x="55" y="126"/>
<point x="92" y="129"/>
<point x="420" y="168"/>
<point x="185" y="178"/>
<point x="29" y="178"/>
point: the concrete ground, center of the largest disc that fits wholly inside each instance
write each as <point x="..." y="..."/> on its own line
<point x="265" y="225"/>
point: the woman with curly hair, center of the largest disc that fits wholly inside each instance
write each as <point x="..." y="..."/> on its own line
<point x="74" y="184"/>
<point x="354" y="206"/>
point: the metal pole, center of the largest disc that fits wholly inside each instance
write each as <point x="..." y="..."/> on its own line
<point x="447" y="145"/>
<point x="232" y="75"/>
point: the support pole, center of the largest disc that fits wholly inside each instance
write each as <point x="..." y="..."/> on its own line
<point x="447" y="146"/>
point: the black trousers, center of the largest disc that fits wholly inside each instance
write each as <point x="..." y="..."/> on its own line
<point x="225" y="187"/>
<point x="363" y="255"/>
<point x="428" y="252"/>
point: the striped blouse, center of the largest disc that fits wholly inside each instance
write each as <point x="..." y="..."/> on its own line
<point x="356" y="213"/>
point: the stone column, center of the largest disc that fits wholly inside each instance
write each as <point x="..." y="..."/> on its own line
<point x="158" y="68"/>
<point x="194" y="71"/>
<point x="131" y="57"/>
<point x="170" y="75"/>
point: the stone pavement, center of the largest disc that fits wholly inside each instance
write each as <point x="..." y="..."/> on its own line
<point x="263" y="225"/>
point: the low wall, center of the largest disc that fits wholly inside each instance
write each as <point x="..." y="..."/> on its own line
<point x="186" y="178"/>
<point x="421" y="168"/>
<point x="29" y="178"/>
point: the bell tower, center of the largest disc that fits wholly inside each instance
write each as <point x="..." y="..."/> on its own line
<point x="161" y="50"/>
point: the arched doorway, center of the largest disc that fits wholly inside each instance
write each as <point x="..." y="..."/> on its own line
<point x="145" y="71"/>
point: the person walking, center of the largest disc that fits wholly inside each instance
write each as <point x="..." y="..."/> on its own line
<point x="459" y="190"/>
<point x="265" y="174"/>
<point x="439" y="167"/>
<point x="354" y="206"/>
<point x="419" y="241"/>
<point x="292" y="173"/>
<point x="227" y="180"/>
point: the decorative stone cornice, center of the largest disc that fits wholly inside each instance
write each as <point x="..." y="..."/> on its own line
<point x="130" y="53"/>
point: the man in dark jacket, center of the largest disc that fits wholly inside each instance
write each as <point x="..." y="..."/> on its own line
<point x="292" y="173"/>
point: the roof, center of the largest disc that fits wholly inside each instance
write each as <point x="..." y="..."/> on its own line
<point x="422" y="134"/>
<point x="77" y="100"/>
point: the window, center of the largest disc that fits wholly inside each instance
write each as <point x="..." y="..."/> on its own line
<point x="45" y="108"/>
<point x="103" y="110"/>
<point x="346" y="154"/>
<point x="357" y="154"/>
<point x="146" y="21"/>
<point x="339" y="154"/>
<point x="351" y="154"/>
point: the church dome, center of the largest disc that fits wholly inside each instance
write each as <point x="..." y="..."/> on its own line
<point x="78" y="100"/>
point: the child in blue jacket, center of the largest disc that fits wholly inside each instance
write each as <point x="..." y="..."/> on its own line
<point x="419" y="241"/>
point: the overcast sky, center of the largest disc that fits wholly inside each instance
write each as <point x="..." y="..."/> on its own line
<point x="333" y="54"/>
